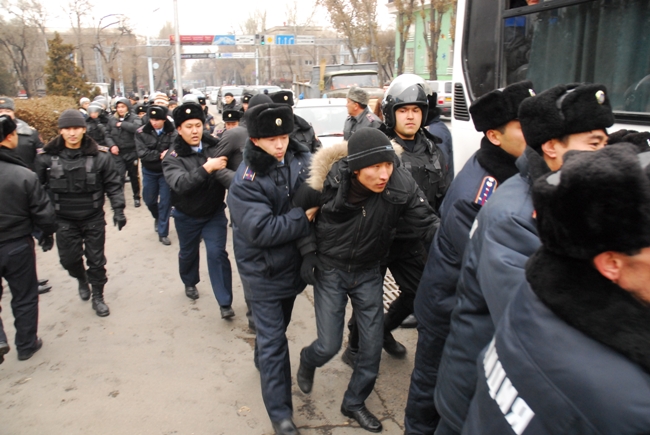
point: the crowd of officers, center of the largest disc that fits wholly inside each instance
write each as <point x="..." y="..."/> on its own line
<point x="528" y="273"/>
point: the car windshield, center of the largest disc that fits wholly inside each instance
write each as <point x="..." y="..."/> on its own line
<point x="360" y="80"/>
<point x="326" y="120"/>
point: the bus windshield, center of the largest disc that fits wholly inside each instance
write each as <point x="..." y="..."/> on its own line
<point x="599" y="42"/>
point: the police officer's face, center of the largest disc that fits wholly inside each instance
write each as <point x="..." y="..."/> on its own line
<point x="375" y="177"/>
<point x="230" y="125"/>
<point x="191" y="131"/>
<point x="10" y="113"/>
<point x="352" y="107"/>
<point x="275" y="146"/>
<point x="11" y="140"/>
<point x="157" y="123"/>
<point x="630" y="272"/>
<point x="407" y="121"/>
<point x="72" y="136"/>
<point x="245" y="106"/>
<point x="121" y="109"/>
<point x="511" y="140"/>
<point x="587" y="141"/>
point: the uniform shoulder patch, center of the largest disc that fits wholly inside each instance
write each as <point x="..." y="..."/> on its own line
<point x="249" y="174"/>
<point x="102" y="148"/>
<point x="40" y="151"/>
<point x="487" y="188"/>
<point x="173" y="153"/>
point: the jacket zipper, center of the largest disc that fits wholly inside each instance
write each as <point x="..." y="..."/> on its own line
<point x="354" y="246"/>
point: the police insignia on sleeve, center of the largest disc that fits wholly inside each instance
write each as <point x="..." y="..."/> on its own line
<point x="102" y="148"/>
<point x="488" y="186"/>
<point x="174" y="154"/>
<point x="40" y="151"/>
<point x="249" y="174"/>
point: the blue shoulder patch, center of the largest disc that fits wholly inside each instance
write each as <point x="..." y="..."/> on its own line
<point x="249" y="174"/>
<point x="174" y="154"/>
<point x="488" y="186"/>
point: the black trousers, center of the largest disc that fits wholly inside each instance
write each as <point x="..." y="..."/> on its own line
<point x="74" y="239"/>
<point x="406" y="262"/>
<point x="127" y="162"/>
<point x="18" y="267"/>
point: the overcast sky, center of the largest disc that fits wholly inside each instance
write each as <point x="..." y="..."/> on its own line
<point x="196" y="17"/>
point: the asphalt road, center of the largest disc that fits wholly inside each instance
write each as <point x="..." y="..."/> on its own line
<point x="162" y="363"/>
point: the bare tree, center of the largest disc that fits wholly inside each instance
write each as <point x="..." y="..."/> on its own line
<point x="107" y="43"/>
<point x="405" y="9"/>
<point x="78" y="12"/>
<point x="435" y="9"/>
<point x="386" y="53"/>
<point x="343" y="17"/>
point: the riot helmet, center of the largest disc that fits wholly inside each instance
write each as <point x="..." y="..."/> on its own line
<point x="407" y="89"/>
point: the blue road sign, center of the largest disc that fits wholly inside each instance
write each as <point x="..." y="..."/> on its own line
<point x="285" y="40"/>
<point x="223" y="40"/>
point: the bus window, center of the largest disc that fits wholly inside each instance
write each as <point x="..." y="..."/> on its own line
<point x="600" y="42"/>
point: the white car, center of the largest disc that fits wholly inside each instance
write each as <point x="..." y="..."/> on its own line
<point x="326" y="115"/>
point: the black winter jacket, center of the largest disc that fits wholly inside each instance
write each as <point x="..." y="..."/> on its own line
<point x="502" y="239"/>
<point x="29" y="143"/>
<point x="124" y="135"/>
<point x="304" y="133"/>
<point x="194" y="192"/>
<point x="80" y="194"/>
<point x="265" y="227"/>
<point x="24" y="205"/>
<point x="357" y="237"/>
<point x="571" y="355"/>
<point x="149" y="145"/>
<point x="231" y="145"/>
<point x="98" y="132"/>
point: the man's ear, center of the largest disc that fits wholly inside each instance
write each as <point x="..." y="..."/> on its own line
<point x="549" y="148"/>
<point x="255" y="141"/>
<point x="494" y="137"/>
<point x="609" y="265"/>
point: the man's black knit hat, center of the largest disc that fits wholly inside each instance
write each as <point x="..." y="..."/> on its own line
<point x="187" y="111"/>
<point x="269" y="120"/>
<point x="599" y="201"/>
<point x="500" y="106"/>
<point x="157" y="112"/>
<point x="71" y="118"/>
<point x="564" y="110"/>
<point x="369" y="146"/>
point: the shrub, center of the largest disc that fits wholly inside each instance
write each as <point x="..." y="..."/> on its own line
<point x="43" y="114"/>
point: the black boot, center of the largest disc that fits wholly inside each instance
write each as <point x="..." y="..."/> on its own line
<point x="99" y="305"/>
<point x="393" y="347"/>
<point x="84" y="289"/>
<point x="305" y="376"/>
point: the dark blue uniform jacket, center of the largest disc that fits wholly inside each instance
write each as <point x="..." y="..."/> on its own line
<point x="502" y="239"/>
<point x="265" y="227"/>
<point x="571" y="355"/>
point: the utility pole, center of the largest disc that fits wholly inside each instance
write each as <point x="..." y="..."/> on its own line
<point x="257" y="66"/>
<point x="150" y="65"/>
<point x="177" y="56"/>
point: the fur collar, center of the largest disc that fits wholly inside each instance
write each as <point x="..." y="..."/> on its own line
<point x="56" y="145"/>
<point x="168" y="127"/>
<point x="10" y="156"/>
<point x="325" y="158"/>
<point x="183" y="149"/>
<point x="582" y="297"/>
<point x="496" y="161"/>
<point x="262" y="162"/>
<point x="531" y="165"/>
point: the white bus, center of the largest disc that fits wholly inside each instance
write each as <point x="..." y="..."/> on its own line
<point x="551" y="42"/>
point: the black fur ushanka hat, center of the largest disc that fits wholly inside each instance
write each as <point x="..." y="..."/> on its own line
<point x="500" y="106"/>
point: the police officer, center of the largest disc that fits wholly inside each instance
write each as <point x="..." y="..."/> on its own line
<point x="152" y="141"/>
<point x="122" y="127"/>
<point x="245" y="102"/>
<point x="265" y="229"/>
<point x="199" y="208"/>
<point x="77" y="173"/>
<point x="95" y="129"/>
<point x="359" y="115"/>
<point x="210" y="123"/>
<point x="302" y="132"/>
<point x="24" y="206"/>
<point x="494" y="114"/>
<point x="504" y="235"/>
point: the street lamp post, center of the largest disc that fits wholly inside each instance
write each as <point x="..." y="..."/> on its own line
<point x="177" y="50"/>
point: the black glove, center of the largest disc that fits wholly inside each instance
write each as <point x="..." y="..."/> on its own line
<point x="306" y="197"/>
<point x="46" y="242"/>
<point x="308" y="269"/>
<point x="119" y="219"/>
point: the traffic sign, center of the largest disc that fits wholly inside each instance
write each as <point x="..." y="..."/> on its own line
<point x="245" y="40"/>
<point x="194" y="39"/>
<point x="223" y="40"/>
<point x="285" y="40"/>
<point x="198" y="55"/>
<point x="268" y="40"/>
<point x="159" y="42"/>
<point x="305" y="40"/>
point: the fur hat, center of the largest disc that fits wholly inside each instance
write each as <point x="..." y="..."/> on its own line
<point x="187" y="111"/>
<point x="599" y="201"/>
<point x="201" y="99"/>
<point x="269" y="120"/>
<point x="7" y="103"/>
<point x="368" y="146"/>
<point x="246" y="97"/>
<point x="259" y="99"/>
<point x="7" y="126"/>
<point x="157" y="112"/>
<point x="141" y="108"/>
<point x="282" y="97"/>
<point x="230" y="115"/>
<point x="500" y="106"/>
<point x="640" y="140"/>
<point x="71" y="118"/>
<point x="358" y="95"/>
<point x="563" y="110"/>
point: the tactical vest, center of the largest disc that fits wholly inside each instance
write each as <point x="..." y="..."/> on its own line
<point x="76" y="186"/>
<point x="427" y="171"/>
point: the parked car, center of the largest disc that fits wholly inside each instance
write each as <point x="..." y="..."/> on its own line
<point x="259" y="89"/>
<point x="214" y="95"/>
<point x="444" y="89"/>
<point x="236" y="92"/>
<point x="326" y="115"/>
